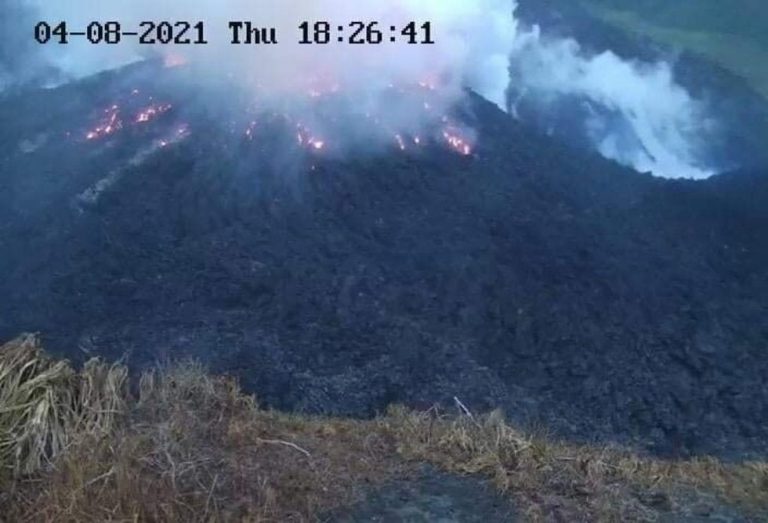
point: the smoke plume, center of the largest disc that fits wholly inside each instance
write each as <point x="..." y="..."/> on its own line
<point x="634" y="113"/>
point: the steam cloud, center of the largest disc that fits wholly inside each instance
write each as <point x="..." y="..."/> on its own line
<point x="633" y="113"/>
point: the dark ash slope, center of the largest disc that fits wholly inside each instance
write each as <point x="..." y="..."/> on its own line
<point x="609" y="305"/>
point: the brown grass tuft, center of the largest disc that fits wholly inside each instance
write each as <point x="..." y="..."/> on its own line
<point x="193" y="447"/>
<point x="44" y="404"/>
<point x="550" y="479"/>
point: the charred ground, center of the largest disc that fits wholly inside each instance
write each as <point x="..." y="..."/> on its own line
<point x="565" y="289"/>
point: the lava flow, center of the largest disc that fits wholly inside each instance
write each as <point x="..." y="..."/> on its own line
<point x="410" y="117"/>
<point x="181" y="133"/>
<point x="456" y="141"/>
<point x="109" y="124"/>
<point x="145" y="115"/>
<point x="112" y="122"/>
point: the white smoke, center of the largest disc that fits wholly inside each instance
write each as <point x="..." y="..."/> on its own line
<point x="476" y="40"/>
<point x="472" y="41"/>
<point x="636" y="113"/>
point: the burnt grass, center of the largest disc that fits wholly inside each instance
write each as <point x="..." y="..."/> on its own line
<point x="576" y="295"/>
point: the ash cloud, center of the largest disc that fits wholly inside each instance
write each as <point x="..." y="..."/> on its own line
<point x="632" y="112"/>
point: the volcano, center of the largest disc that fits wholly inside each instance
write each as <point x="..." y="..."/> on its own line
<point x="478" y="260"/>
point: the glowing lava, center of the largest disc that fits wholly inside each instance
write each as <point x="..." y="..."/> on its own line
<point x="109" y="124"/>
<point x="111" y="120"/>
<point x="147" y="114"/>
<point x="181" y="133"/>
<point x="326" y="123"/>
<point x="457" y="141"/>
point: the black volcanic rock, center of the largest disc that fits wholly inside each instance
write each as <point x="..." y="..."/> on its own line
<point x="607" y="304"/>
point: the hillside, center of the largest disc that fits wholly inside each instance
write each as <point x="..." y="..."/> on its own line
<point x="188" y="446"/>
<point x="732" y="34"/>
<point x="744" y="17"/>
<point x="570" y="292"/>
<point x="514" y="272"/>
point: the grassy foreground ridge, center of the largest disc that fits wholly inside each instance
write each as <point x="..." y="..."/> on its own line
<point x="177" y="444"/>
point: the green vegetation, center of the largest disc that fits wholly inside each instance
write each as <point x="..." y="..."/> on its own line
<point x="186" y="446"/>
<point x="732" y="34"/>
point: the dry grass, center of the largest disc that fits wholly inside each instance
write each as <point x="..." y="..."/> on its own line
<point x="192" y="447"/>
<point x="43" y="403"/>
<point x="558" y="481"/>
<point x="186" y="447"/>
